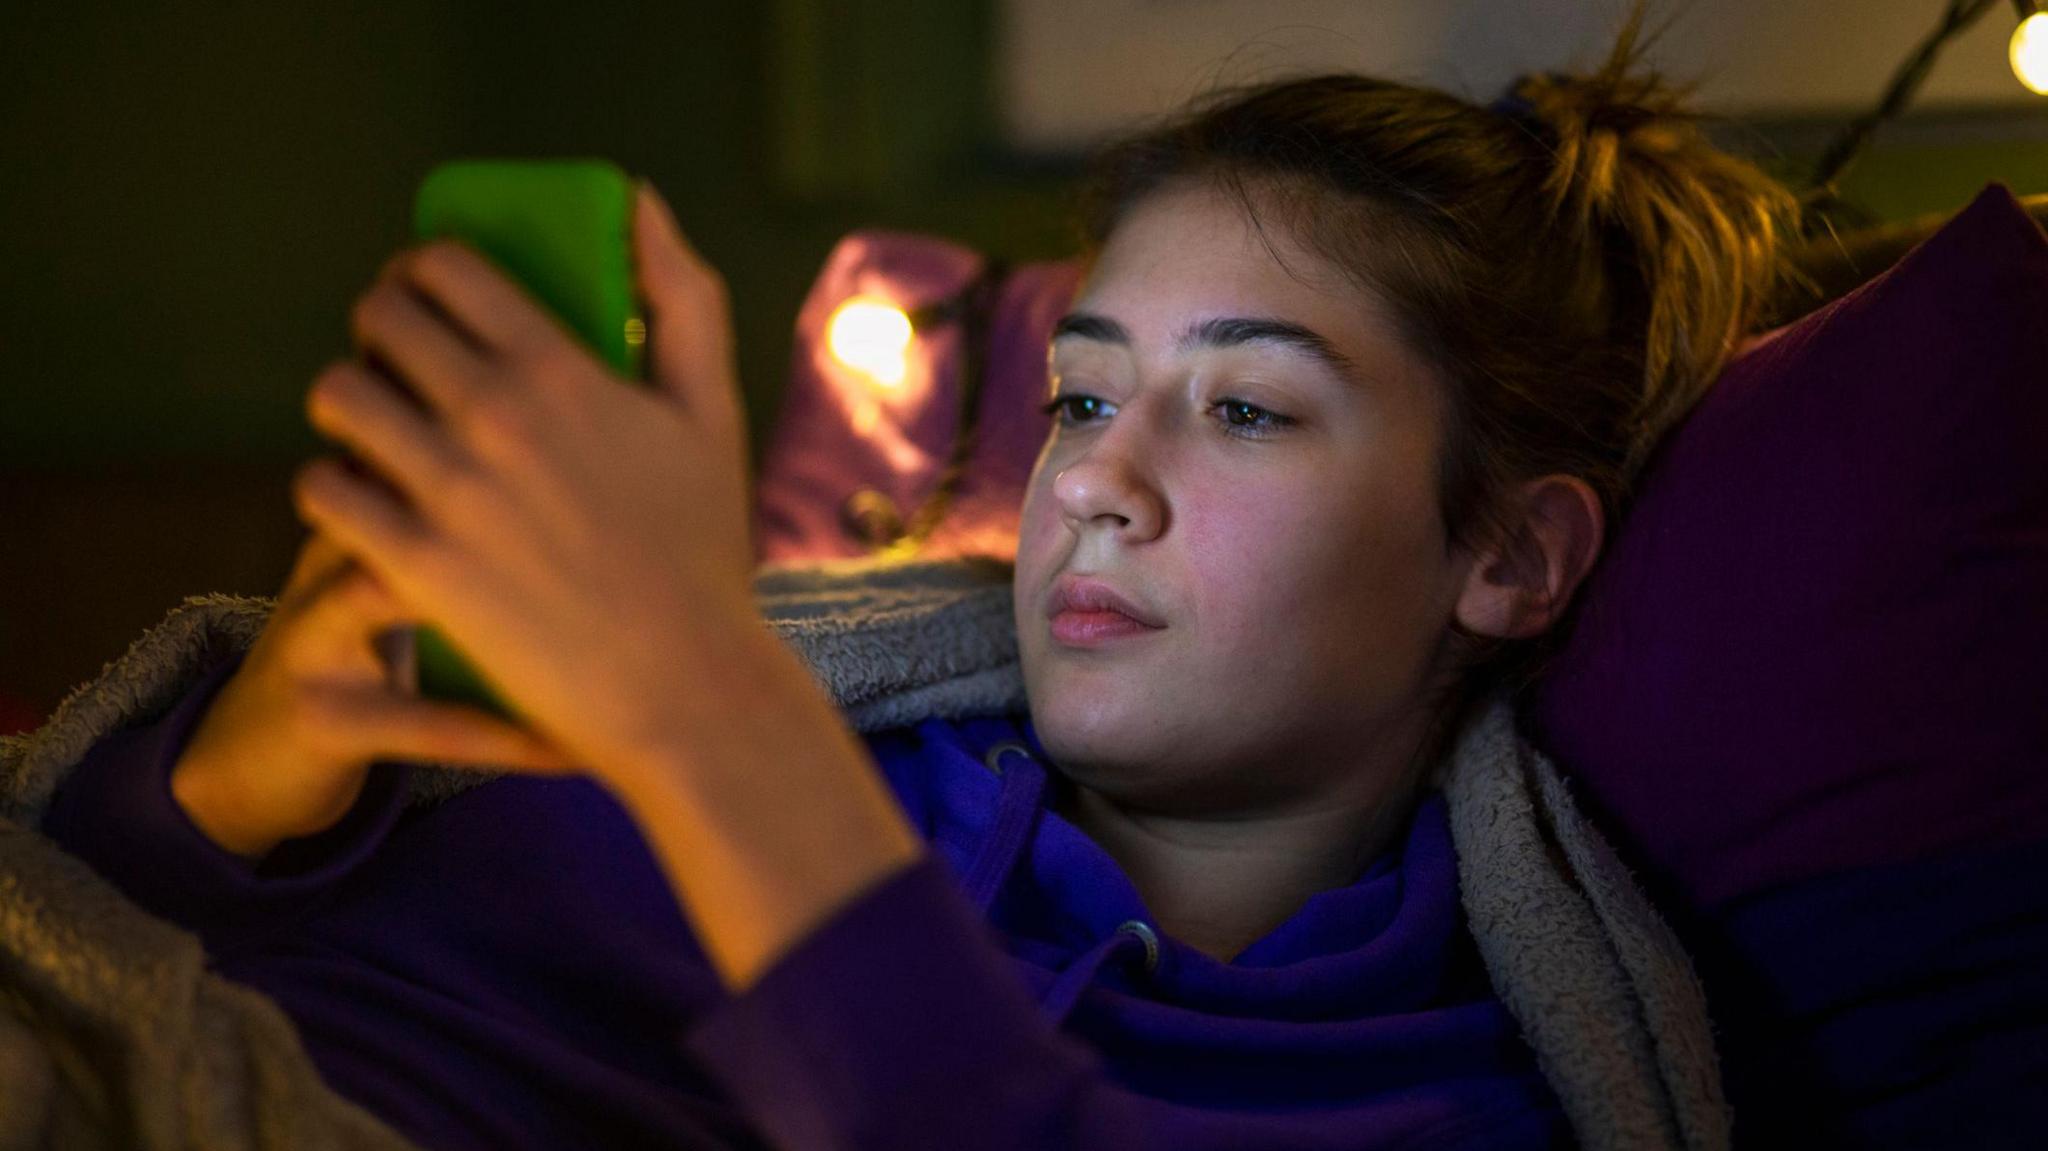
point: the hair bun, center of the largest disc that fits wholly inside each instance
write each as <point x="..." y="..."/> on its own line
<point x="1626" y="169"/>
<point x="1594" y="121"/>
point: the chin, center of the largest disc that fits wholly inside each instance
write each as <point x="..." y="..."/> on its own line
<point x="1059" y="700"/>
<point x="1087" y="721"/>
<point x="1092" y="734"/>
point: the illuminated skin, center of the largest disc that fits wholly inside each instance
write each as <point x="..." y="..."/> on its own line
<point x="1254" y="750"/>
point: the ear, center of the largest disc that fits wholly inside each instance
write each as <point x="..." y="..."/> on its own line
<point x="1520" y="586"/>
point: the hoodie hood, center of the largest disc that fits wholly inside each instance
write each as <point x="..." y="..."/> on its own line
<point x="1382" y="970"/>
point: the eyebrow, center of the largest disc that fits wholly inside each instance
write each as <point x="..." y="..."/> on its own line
<point x="1221" y="332"/>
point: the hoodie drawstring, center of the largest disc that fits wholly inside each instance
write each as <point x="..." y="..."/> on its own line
<point x="1017" y="810"/>
<point x="1016" y="813"/>
<point x="1067" y="989"/>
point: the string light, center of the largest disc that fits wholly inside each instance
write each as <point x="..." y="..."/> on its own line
<point x="2029" y="52"/>
<point x="872" y="337"/>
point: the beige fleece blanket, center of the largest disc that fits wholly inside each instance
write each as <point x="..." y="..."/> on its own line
<point x="114" y="1034"/>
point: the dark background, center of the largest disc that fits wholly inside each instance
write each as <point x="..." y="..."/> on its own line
<point x="191" y="197"/>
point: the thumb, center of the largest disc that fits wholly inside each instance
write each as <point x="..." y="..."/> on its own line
<point x="689" y="323"/>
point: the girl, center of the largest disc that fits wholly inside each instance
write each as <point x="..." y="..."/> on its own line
<point x="1358" y="376"/>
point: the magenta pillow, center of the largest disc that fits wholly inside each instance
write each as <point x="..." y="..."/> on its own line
<point x="1816" y="642"/>
<point x="842" y="441"/>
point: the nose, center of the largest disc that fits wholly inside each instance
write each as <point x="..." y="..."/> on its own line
<point x="1108" y="488"/>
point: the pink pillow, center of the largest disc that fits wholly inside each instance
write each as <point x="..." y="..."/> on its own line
<point x="846" y="444"/>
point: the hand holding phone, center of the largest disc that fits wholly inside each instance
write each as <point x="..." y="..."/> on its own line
<point x="563" y="230"/>
<point x="585" y="540"/>
<point x="286" y="745"/>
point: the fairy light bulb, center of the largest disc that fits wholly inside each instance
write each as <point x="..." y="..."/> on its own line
<point x="872" y="338"/>
<point x="2029" y="53"/>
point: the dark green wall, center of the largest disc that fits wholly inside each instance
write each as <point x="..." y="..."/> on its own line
<point x="1927" y="162"/>
<point x="191" y="196"/>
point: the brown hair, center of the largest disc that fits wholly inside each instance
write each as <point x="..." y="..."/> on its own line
<point x="1577" y="260"/>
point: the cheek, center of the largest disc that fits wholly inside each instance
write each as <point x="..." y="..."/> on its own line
<point x="1296" y="577"/>
<point x="1038" y="526"/>
<point x="1042" y="540"/>
<point x="1253" y="548"/>
<point x="1039" y="509"/>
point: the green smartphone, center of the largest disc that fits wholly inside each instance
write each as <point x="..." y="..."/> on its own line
<point x="563" y="230"/>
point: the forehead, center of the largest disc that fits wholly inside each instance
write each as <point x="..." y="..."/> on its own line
<point x="1191" y="253"/>
<point x="1193" y="244"/>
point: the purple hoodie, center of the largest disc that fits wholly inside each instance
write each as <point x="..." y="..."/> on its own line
<point x="509" y="969"/>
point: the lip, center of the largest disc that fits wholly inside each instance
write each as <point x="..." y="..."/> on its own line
<point x="1095" y="628"/>
<point x="1092" y="597"/>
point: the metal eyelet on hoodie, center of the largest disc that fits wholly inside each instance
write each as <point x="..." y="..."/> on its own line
<point x="1143" y="931"/>
<point x="1066" y="990"/>
<point x="993" y="757"/>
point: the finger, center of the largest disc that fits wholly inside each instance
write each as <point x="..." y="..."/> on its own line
<point x="496" y="310"/>
<point x="426" y="348"/>
<point x="357" y="603"/>
<point x="319" y="561"/>
<point x="689" y="316"/>
<point x="362" y="516"/>
<point x="349" y="624"/>
<point x="379" y="725"/>
<point x="354" y="406"/>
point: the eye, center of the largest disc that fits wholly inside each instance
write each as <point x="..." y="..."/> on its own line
<point x="1240" y="419"/>
<point x="1257" y="424"/>
<point x="1059" y="408"/>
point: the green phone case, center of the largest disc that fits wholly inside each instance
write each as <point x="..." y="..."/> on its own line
<point x="563" y="229"/>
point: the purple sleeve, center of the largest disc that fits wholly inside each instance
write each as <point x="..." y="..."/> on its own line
<point x="116" y="812"/>
<point x="1889" y="1007"/>
<point x="899" y="1023"/>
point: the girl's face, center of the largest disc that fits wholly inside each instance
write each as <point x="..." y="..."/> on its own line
<point x="1250" y="458"/>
